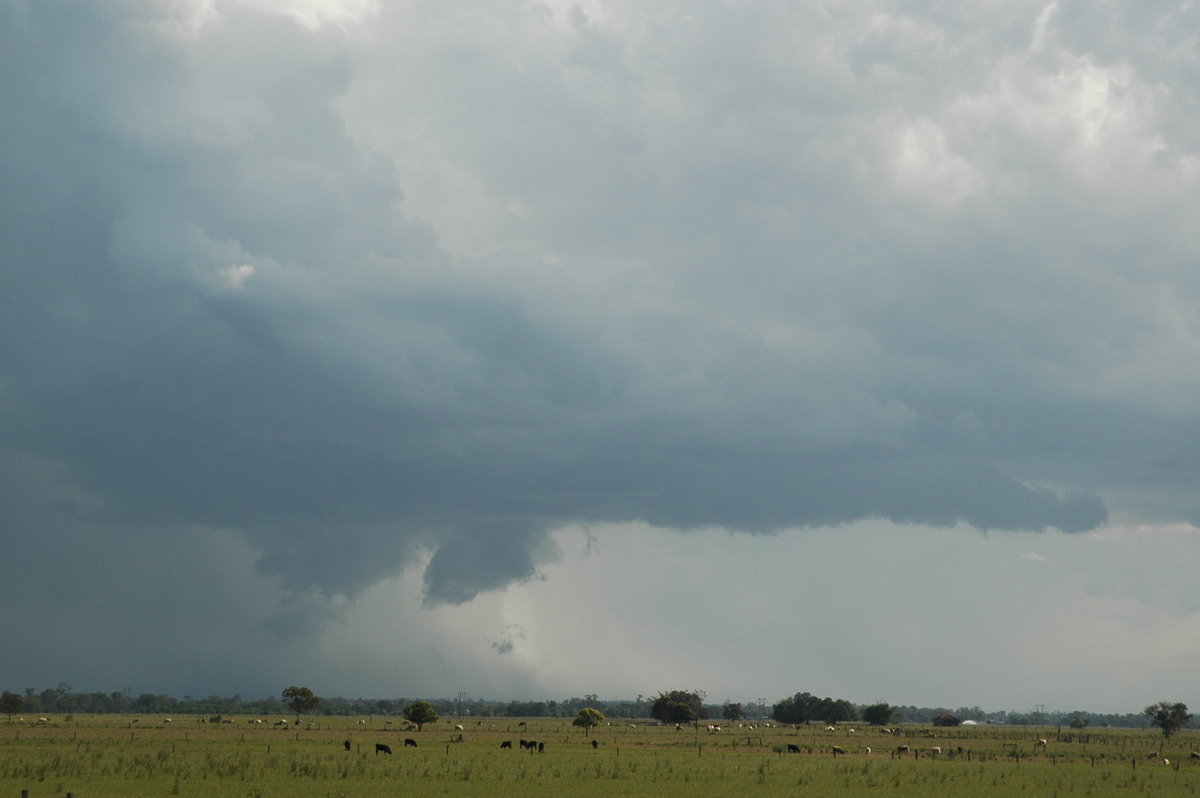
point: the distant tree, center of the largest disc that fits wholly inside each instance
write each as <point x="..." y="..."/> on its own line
<point x="805" y="707"/>
<point x="1167" y="716"/>
<point x="731" y="711"/>
<point x="11" y="704"/>
<point x="800" y="708"/>
<point x="678" y="706"/>
<point x="1079" y="721"/>
<point x="880" y="714"/>
<point x="420" y="713"/>
<point x="300" y="700"/>
<point x="588" y="718"/>
<point x="837" y="711"/>
<point x="946" y="720"/>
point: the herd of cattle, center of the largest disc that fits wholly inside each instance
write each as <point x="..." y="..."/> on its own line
<point x="535" y="746"/>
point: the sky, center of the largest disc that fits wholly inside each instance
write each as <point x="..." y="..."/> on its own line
<point x="531" y="350"/>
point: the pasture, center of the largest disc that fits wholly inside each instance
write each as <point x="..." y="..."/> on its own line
<point x="101" y="756"/>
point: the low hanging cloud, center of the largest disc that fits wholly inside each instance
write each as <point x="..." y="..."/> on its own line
<point x="374" y="287"/>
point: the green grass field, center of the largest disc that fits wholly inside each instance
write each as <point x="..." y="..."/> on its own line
<point x="96" y="757"/>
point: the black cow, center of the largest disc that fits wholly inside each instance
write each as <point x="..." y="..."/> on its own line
<point x="380" y="748"/>
<point x="793" y="749"/>
<point x="347" y="744"/>
<point x="506" y="744"/>
<point x="541" y="747"/>
<point x="410" y="742"/>
<point x="595" y="744"/>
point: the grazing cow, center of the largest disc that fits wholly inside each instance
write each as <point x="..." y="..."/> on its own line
<point x="678" y="727"/>
<point x="936" y="750"/>
<point x="830" y="728"/>
<point x="1195" y="755"/>
<point x="1040" y="743"/>
<point x="382" y="748"/>
<point x="347" y="744"/>
<point x="1166" y="761"/>
<point x="458" y="727"/>
<point x="410" y="742"/>
<point x="595" y="744"/>
<point x="524" y="743"/>
<point x="903" y="749"/>
<point x="506" y="744"/>
<point x="1152" y="755"/>
<point x="837" y="749"/>
<point x="867" y="750"/>
<point x="542" y="747"/>
<point x="793" y="748"/>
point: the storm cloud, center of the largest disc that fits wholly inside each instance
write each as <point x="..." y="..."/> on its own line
<point x="356" y="289"/>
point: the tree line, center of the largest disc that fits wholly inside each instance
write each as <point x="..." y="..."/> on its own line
<point x="675" y="706"/>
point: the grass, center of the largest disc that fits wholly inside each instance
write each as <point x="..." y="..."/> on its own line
<point x="114" y="756"/>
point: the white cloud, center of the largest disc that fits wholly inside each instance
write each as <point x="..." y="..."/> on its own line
<point x="235" y="277"/>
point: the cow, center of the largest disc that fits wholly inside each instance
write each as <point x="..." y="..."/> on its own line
<point x="1195" y="755"/>
<point x="458" y="727"/>
<point x="382" y="748"/>
<point x="542" y="747"/>
<point x="524" y="743"/>
<point x="506" y="744"/>
<point x="595" y="744"/>
<point x="793" y="748"/>
<point x="410" y="742"/>
<point x="936" y="750"/>
<point x="902" y="749"/>
<point x="867" y="750"/>
<point x="837" y="749"/>
<point x="347" y="744"/>
<point x="1041" y="743"/>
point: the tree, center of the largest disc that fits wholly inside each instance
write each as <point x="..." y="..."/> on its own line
<point x="678" y="706"/>
<point x="880" y="714"/>
<point x="300" y="700"/>
<point x="11" y="704"/>
<point x="945" y="720"/>
<point x="588" y="718"/>
<point x="1167" y="716"/>
<point x="420" y="713"/>
<point x="732" y="711"/>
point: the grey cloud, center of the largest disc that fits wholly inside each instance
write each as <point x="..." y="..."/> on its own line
<point x="745" y="326"/>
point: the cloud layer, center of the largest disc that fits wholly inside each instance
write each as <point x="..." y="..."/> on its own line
<point x="346" y="289"/>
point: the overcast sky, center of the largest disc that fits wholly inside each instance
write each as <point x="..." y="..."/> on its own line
<point x="536" y="349"/>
